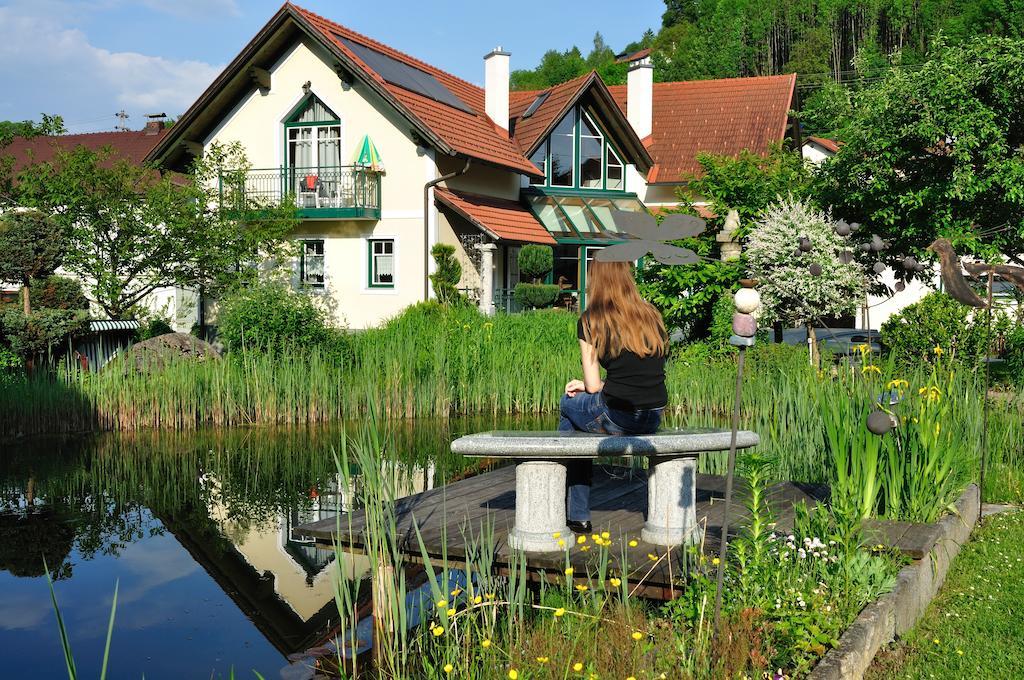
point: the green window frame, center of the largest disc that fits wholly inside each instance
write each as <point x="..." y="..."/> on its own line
<point x="380" y="262"/>
<point x="325" y="118"/>
<point x="541" y="157"/>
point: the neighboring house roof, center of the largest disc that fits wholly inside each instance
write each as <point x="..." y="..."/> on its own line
<point x="130" y="145"/>
<point x="825" y="143"/>
<point x="632" y="56"/>
<point x="717" y="116"/>
<point x="498" y="217"/>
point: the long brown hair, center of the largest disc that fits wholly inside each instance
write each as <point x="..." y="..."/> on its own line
<point x="617" y="318"/>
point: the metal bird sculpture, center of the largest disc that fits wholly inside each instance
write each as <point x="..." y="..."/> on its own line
<point x="645" y="236"/>
<point x="1007" y="272"/>
<point x="952" y="275"/>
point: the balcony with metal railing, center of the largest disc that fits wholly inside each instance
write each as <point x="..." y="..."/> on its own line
<point x="349" y="192"/>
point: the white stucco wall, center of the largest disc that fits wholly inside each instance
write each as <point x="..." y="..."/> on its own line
<point x="257" y="123"/>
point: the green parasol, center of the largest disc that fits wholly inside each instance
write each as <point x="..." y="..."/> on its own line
<point x="367" y="155"/>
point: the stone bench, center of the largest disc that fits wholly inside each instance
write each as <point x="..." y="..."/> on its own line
<point x="541" y="477"/>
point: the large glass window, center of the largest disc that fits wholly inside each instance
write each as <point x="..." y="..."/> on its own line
<point x="562" y="146"/>
<point x="566" y="271"/>
<point x="577" y="154"/>
<point x="311" y="263"/>
<point x="591" y="152"/>
<point x="553" y="219"/>
<point x="581" y="218"/>
<point x="614" y="171"/>
<point x="540" y="159"/>
<point x="382" y="263"/>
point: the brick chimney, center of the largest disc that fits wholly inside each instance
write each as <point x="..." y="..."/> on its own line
<point x="496" y="75"/>
<point x="640" y="94"/>
<point x="155" y="124"/>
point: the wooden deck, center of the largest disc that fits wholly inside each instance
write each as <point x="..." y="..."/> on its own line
<point x="447" y="515"/>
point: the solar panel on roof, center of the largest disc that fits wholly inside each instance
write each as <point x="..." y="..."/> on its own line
<point x="403" y="75"/>
<point x="536" y="104"/>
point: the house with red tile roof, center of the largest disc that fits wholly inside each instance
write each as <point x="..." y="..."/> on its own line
<point x="385" y="155"/>
<point x="178" y="305"/>
<point x="817" y="150"/>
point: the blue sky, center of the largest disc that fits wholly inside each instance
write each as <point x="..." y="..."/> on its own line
<point x="86" y="60"/>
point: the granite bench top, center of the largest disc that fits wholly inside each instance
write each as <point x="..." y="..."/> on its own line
<point x="554" y="445"/>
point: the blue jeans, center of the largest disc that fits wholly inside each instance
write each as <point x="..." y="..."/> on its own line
<point x="588" y="412"/>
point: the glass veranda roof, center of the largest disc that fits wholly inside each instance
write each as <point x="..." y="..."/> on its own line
<point x="580" y="216"/>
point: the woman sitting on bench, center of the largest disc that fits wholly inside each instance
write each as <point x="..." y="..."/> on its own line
<point x="625" y="335"/>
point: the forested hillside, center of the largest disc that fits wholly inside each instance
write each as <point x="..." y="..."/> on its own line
<point x="845" y="41"/>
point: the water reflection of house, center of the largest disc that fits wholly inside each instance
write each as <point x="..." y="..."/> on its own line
<point x="284" y="584"/>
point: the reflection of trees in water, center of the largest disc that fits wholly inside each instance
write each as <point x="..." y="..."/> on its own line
<point x="92" y="493"/>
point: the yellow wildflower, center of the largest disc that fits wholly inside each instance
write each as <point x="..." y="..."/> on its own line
<point x="615" y="582"/>
<point x="485" y="643"/>
<point x="935" y="640"/>
<point x="569" y="571"/>
<point x="581" y="539"/>
<point x="716" y="561"/>
<point x="490" y="596"/>
<point x="584" y="548"/>
<point x="455" y="593"/>
<point x="557" y="534"/>
<point x="477" y="599"/>
<point x="448" y="668"/>
<point x="442" y="604"/>
<point x="633" y="543"/>
<point x="561" y="543"/>
<point x="898" y="383"/>
<point x="596" y="538"/>
<point x="542" y="659"/>
<point x="871" y="368"/>
<point x="606" y="535"/>
<point x="652" y="557"/>
<point x="560" y="612"/>
<point x="580" y="587"/>
<point x="513" y="674"/>
<point x="438" y="631"/>
<point x="960" y="652"/>
<point x="938" y="351"/>
<point x="451" y="612"/>
<point x="631" y="678"/>
<point x="637" y="635"/>
<point x="577" y="666"/>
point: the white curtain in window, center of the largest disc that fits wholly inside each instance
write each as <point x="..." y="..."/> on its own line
<point x="301" y="143"/>
<point x="384" y="267"/>
<point x="328" y="146"/>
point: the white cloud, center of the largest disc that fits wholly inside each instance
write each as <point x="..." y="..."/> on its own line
<point x="47" y="66"/>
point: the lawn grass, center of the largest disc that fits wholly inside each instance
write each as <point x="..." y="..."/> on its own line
<point x="973" y="628"/>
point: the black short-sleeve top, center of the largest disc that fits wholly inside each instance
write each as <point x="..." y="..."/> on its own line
<point x="631" y="382"/>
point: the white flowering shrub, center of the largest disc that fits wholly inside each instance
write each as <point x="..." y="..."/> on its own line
<point x="789" y="292"/>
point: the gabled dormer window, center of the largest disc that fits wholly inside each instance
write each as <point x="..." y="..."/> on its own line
<point x="313" y="136"/>
<point x="578" y="155"/>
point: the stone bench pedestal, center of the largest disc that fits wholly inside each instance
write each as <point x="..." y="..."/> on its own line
<point x="541" y="476"/>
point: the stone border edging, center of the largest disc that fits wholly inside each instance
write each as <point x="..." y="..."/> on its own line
<point x="897" y="611"/>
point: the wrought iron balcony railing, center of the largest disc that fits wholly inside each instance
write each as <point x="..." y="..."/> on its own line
<point x="339" y="192"/>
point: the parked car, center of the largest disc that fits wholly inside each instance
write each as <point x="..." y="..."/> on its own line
<point x="842" y="342"/>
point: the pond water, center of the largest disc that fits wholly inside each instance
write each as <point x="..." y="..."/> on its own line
<point x="196" y="531"/>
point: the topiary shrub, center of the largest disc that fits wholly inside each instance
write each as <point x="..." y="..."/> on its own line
<point x="447" y="274"/>
<point x="535" y="261"/>
<point x="271" y="316"/>
<point x="536" y="295"/>
<point x="935" y="321"/>
<point x="57" y="292"/>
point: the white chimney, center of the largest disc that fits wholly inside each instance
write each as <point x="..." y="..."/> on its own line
<point x="640" y="96"/>
<point x="496" y="75"/>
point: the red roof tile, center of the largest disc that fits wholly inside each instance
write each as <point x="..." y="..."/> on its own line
<point x="527" y="131"/>
<point x="472" y="134"/>
<point x="132" y="146"/>
<point x="825" y="143"/>
<point x="716" y="116"/>
<point x="500" y="217"/>
<point x="633" y="56"/>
